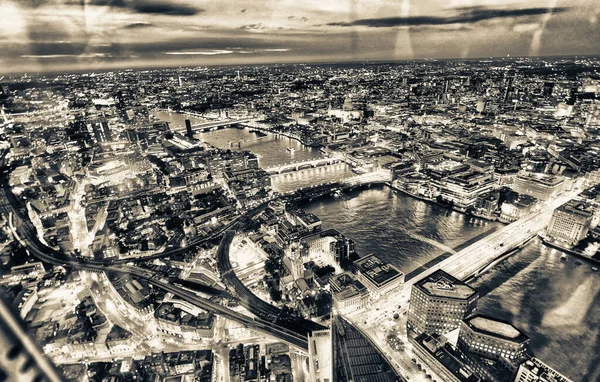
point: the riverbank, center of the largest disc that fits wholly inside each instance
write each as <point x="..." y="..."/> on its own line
<point x="433" y="201"/>
<point x="570" y="251"/>
<point x="275" y="132"/>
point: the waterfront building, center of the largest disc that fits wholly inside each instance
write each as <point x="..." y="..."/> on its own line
<point x="379" y="277"/>
<point x="492" y="338"/>
<point x="570" y="222"/>
<point x="517" y="209"/>
<point x="534" y="370"/>
<point x="349" y="294"/>
<point x="542" y="187"/>
<point x="493" y="348"/>
<point x="465" y="188"/>
<point x="231" y="161"/>
<point x="439" y="356"/>
<point x="439" y="302"/>
<point x="320" y="354"/>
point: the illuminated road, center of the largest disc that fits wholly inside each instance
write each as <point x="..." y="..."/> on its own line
<point x="250" y="301"/>
<point x="25" y="233"/>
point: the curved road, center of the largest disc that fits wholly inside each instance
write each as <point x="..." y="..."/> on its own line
<point x="27" y="235"/>
<point x="252" y="302"/>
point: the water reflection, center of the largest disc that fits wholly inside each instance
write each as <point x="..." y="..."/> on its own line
<point x="553" y="301"/>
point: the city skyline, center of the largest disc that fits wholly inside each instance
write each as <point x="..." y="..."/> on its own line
<point x="64" y="35"/>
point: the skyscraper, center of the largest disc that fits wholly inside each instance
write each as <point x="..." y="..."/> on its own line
<point x="188" y="129"/>
<point x="439" y="302"/>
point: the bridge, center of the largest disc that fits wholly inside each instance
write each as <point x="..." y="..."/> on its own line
<point x="215" y="125"/>
<point x="295" y="166"/>
<point x="377" y="177"/>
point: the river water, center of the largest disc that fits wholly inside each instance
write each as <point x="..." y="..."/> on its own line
<point x="555" y="302"/>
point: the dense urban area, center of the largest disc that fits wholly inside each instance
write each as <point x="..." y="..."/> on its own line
<point x="140" y="243"/>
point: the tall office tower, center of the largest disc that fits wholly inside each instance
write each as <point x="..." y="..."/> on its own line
<point x="481" y="103"/>
<point x="439" y="302"/>
<point x="507" y="89"/>
<point x="188" y="129"/>
<point x="570" y="222"/>
<point x="342" y="249"/>
<point x="4" y="91"/>
<point x="101" y="130"/>
<point x="572" y="96"/>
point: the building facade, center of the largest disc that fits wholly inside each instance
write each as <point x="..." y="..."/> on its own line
<point x="570" y="222"/>
<point x="439" y="302"/>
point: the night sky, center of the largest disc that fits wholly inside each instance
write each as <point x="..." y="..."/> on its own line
<point x="43" y="35"/>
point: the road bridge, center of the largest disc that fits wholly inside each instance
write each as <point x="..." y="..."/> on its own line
<point x="295" y="166"/>
<point x="213" y="125"/>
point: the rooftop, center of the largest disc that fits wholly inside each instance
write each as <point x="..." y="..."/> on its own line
<point x="496" y="328"/>
<point x="376" y="270"/>
<point x="442" y="284"/>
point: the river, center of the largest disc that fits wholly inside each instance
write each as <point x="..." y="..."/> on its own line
<point x="555" y="302"/>
<point x="271" y="150"/>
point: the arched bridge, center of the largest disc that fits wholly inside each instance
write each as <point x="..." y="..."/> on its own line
<point x="295" y="166"/>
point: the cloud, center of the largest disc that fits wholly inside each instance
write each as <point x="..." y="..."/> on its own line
<point x="52" y="56"/>
<point x="138" y="6"/>
<point x="468" y="15"/>
<point x="138" y="25"/>
<point x="251" y="27"/>
<point x="200" y="53"/>
<point x="165" y="9"/>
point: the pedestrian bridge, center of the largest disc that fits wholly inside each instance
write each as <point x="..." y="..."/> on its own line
<point x="300" y="165"/>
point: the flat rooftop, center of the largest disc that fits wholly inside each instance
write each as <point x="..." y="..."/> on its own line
<point x="376" y="270"/>
<point x="496" y="328"/>
<point x="547" y="180"/>
<point x="442" y="284"/>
